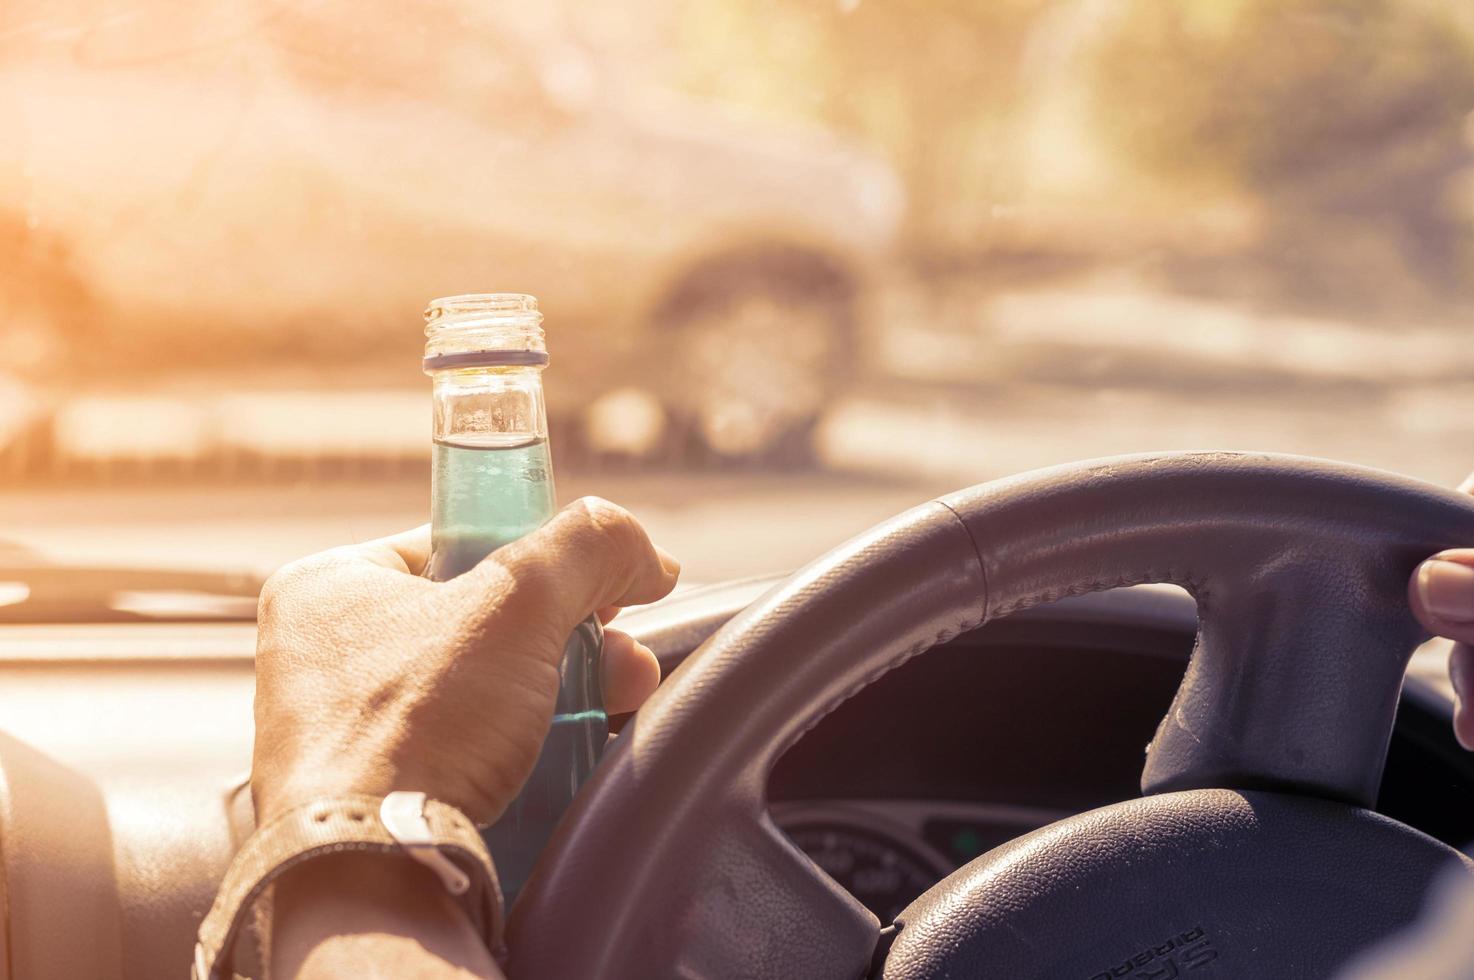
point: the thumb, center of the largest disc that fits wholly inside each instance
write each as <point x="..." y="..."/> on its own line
<point x="592" y="554"/>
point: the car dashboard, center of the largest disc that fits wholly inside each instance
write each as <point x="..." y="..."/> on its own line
<point x="125" y="754"/>
<point x="1028" y="720"/>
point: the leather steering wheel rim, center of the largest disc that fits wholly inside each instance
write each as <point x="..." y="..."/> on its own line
<point x="668" y="865"/>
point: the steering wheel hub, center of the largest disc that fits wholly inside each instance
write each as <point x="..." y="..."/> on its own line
<point x="1266" y="884"/>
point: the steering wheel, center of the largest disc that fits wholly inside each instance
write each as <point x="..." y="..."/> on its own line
<point x="1253" y="849"/>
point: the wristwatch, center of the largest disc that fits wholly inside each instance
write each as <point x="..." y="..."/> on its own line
<point x="434" y="834"/>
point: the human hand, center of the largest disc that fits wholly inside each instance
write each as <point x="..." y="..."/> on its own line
<point x="370" y="678"/>
<point x="1442" y="594"/>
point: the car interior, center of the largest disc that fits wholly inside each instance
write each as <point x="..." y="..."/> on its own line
<point x="127" y="745"/>
<point x="1052" y="406"/>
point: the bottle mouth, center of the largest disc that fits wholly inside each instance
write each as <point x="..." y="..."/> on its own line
<point x="484" y="330"/>
<point x="479" y="304"/>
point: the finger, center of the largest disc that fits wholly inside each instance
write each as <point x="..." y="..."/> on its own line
<point x="1461" y="674"/>
<point x="607" y="614"/>
<point x="630" y="672"/>
<point x="1442" y="594"/>
<point x="592" y="554"/>
<point x="407" y="551"/>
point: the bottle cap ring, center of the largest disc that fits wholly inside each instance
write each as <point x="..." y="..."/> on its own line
<point x="487" y="358"/>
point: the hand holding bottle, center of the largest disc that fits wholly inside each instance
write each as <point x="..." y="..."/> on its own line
<point x="372" y="678"/>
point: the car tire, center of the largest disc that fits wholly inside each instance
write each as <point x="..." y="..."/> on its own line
<point x="750" y="365"/>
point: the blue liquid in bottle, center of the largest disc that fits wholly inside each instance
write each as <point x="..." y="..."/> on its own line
<point x="486" y="495"/>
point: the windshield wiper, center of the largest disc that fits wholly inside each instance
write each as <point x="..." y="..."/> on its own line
<point x="34" y="592"/>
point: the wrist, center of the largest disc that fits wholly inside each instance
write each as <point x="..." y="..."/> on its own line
<point x="374" y="883"/>
<point x="273" y="795"/>
<point x="387" y="841"/>
<point x="277" y="793"/>
<point x="333" y="916"/>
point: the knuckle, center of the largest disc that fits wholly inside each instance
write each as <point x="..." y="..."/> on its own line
<point x="612" y="522"/>
<point x="527" y="574"/>
<point x="508" y="582"/>
<point x="296" y="579"/>
<point x="277" y="589"/>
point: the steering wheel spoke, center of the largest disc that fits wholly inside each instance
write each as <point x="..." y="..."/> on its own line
<point x="758" y="907"/>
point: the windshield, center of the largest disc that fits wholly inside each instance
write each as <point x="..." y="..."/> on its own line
<point x="801" y="264"/>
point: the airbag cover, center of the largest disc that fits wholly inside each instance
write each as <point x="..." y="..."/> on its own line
<point x="1203" y="883"/>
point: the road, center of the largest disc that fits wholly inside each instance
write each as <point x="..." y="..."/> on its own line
<point x="885" y="454"/>
<point x="721" y="527"/>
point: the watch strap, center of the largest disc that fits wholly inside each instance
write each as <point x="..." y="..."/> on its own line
<point x="362" y="824"/>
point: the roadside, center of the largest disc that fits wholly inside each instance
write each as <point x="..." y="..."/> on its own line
<point x="721" y="526"/>
<point x="955" y="372"/>
<point x="884" y="451"/>
<point x="250" y="472"/>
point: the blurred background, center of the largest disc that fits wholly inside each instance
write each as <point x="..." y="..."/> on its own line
<point x="803" y="263"/>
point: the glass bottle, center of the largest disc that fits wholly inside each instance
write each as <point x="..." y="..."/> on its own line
<point x="491" y="483"/>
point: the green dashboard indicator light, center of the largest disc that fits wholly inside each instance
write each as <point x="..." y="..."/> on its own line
<point x="966" y="843"/>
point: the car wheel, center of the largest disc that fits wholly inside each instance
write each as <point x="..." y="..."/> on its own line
<point x="750" y="370"/>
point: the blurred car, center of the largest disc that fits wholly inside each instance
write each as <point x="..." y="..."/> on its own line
<point x="716" y="261"/>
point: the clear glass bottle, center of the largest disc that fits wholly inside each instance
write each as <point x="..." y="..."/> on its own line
<point x="491" y="483"/>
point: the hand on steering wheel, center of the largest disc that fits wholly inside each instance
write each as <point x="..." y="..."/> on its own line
<point x="1442" y="592"/>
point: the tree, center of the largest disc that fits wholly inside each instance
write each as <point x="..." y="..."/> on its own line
<point x="1347" y="119"/>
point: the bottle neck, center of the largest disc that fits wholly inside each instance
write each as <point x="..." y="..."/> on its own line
<point x="489" y="407"/>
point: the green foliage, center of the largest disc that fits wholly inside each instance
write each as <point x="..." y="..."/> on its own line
<point x="1345" y="124"/>
<point x="1267" y="92"/>
<point x="1347" y="119"/>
